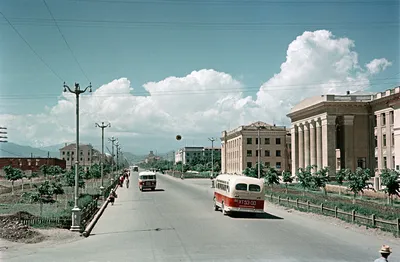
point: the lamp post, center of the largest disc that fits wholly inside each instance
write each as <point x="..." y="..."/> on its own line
<point x="76" y="212"/>
<point x="117" y="146"/>
<point x="212" y="155"/>
<point x="112" y="140"/>
<point x="259" y="153"/>
<point x="102" y="126"/>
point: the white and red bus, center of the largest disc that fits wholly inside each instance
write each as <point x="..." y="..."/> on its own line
<point x="147" y="179"/>
<point x="236" y="193"/>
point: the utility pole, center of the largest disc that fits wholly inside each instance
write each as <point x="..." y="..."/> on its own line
<point x="212" y="139"/>
<point x="117" y="148"/>
<point x="102" y="126"/>
<point x="112" y="140"/>
<point x="3" y="139"/>
<point x="76" y="212"/>
<point x="259" y="153"/>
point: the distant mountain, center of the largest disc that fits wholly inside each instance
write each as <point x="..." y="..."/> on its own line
<point x="133" y="159"/>
<point x="52" y="148"/>
<point x="14" y="150"/>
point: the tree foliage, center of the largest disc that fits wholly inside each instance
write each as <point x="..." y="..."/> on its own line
<point x="358" y="181"/>
<point x="287" y="178"/>
<point x="390" y="179"/>
<point x="271" y="176"/>
<point x="304" y="175"/>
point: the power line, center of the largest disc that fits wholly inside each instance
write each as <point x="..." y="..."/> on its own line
<point x="190" y="92"/>
<point x="30" y="47"/>
<point x="65" y="40"/>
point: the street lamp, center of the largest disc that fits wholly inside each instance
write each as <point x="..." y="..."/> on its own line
<point x="102" y="126"/>
<point x="212" y="139"/>
<point x="76" y="214"/>
<point x="112" y="140"/>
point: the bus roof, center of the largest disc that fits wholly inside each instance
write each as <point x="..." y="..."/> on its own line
<point x="146" y="173"/>
<point x="238" y="178"/>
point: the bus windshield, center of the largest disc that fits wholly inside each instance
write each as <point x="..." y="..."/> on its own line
<point x="148" y="177"/>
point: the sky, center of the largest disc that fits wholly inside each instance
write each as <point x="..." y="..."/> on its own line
<point x="159" y="68"/>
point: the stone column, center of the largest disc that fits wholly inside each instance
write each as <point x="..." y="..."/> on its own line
<point x="306" y="145"/>
<point x="313" y="156"/>
<point x="295" y="148"/>
<point x="379" y="138"/>
<point x="349" y="141"/>
<point x="319" y="144"/>
<point x="301" y="145"/>
<point x="389" y="156"/>
<point x="329" y="143"/>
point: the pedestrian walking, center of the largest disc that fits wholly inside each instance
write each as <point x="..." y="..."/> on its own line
<point x="112" y="197"/>
<point x="385" y="253"/>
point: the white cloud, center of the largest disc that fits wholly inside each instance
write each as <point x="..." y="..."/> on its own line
<point x="205" y="101"/>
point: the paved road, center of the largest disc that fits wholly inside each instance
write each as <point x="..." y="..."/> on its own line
<point x="177" y="223"/>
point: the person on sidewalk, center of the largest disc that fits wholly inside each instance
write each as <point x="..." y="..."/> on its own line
<point x="385" y="252"/>
<point x="112" y="197"/>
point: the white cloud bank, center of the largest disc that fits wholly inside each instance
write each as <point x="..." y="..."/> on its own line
<point x="205" y="101"/>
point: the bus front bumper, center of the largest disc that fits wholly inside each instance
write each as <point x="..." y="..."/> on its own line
<point x="242" y="209"/>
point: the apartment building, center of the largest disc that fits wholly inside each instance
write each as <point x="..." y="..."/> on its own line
<point x="239" y="147"/>
<point x="88" y="155"/>
<point x="347" y="131"/>
<point x="189" y="153"/>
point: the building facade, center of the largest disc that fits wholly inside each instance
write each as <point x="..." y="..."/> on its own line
<point x="29" y="165"/>
<point x="347" y="131"/>
<point x="190" y="153"/>
<point x="88" y="155"/>
<point x="240" y="147"/>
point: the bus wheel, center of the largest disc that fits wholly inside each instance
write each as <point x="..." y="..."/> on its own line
<point x="215" y="205"/>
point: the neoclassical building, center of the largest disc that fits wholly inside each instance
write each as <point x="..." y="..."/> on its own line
<point x="347" y="131"/>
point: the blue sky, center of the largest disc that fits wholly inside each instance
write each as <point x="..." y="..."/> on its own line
<point x="143" y="52"/>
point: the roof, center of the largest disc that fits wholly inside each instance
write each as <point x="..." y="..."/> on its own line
<point x="73" y="146"/>
<point x="146" y="173"/>
<point x="239" y="178"/>
<point x="258" y="123"/>
<point x="310" y="101"/>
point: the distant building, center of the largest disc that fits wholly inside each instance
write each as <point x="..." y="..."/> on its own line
<point x="29" y="165"/>
<point x="240" y="147"/>
<point x="88" y="155"/>
<point x="189" y="153"/>
<point x="151" y="157"/>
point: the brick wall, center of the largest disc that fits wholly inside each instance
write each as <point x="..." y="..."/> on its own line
<point x="31" y="164"/>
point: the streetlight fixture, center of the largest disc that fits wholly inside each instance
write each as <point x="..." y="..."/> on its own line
<point x="76" y="212"/>
<point x="212" y="139"/>
<point x="102" y="126"/>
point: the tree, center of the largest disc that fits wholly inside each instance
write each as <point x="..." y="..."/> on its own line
<point x="287" y="178"/>
<point x="12" y="174"/>
<point x="250" y="172"/>
<point x="320" y="179"/>
<point x="271" y="176"/>
<point x="46" y="170"/>
<point x="263" y="172"/>
<point x="56" y="171"/>
<point x="340" y="177"/>
<point x="358" y="180"/>
<point x="43" y="194"/>
<point x="57" y="189"/>
<point x="69" y="178"/>
<point x="31" y="176"/>
<point x="389" y="179"/>
<point x="304" y="176"/>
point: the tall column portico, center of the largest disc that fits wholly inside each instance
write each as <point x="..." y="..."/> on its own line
<point x="319" y="143"/>
<point x="349" y="141"/>
<point x="328" y="123"/>
<point x="294" y="151"/>
<point x="301" y="146"/>
<point x="306" y="145"/>
<point x="313" y="156"/>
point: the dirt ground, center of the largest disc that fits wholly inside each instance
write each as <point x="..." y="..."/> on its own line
<point x="13" y="230"/>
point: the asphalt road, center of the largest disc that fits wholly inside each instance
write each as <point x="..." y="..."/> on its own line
<point x="177" y="223"/>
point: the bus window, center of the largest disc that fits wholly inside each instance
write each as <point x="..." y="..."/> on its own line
<point x="254" y="188"/>
<point x="242" y="187"/>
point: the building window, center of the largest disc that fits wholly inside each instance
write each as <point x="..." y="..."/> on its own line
<point x="88" y="159"/>
<point x="278" y="141"/>
<point x="376" y="141"/>
<point x="267" y="142"/>
<point x="278" y="152"/>
<point x="249" y="141"/>
<point x="256" y="141"/>
<point x="391" y="116"/>
<point x="376" y="162"/>
<point x="256" y="152"/>
<point x="68" y="153"/>
<point x="392" y="139"/>
<point x="63" y="153"/>
<point x="72" y="152"/>
<point x="267" y="164"/>
<point x="383" y="116"/>
<point x="278" y="164"/>
<point x="249" y="164"/>
<point x="267" y="153"/>
<point x="337" y="163"/>
<point x="384" y="140"/>
<point x="361" y="162"/>
<point x="384" y="162"/>
<point x="67" y="158"/>
<point x="249" y="153"/>
<point x="393" y="161"/>
<point x="81" y="159"/>
<point x="375" y="120"/>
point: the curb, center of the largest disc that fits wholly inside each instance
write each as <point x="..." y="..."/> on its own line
<point x="96" y="217"/>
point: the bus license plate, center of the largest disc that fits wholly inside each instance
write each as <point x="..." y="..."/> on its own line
<point x="247" y="202"/>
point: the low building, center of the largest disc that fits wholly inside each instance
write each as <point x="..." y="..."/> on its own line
<point x="360" y="129"/>
<point x="28" y="164"/>
<point x="190" y="153"/>
<point x="240" y="147"/>
<point x="151" y="157"/>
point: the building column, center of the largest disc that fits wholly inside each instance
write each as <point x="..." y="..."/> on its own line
<point x="295" y="162"/>
<point x="319" y="144"/>
<point x="313" y="157"/>
<point x="349" y="141"/>
<point x="306" y="145"/>
<point x="328" y="123"/>
<point x="379" y="138"/>
<point x="396" y="130"/>
<point x="389" y="155"/>
<point x="301" y="145"/>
